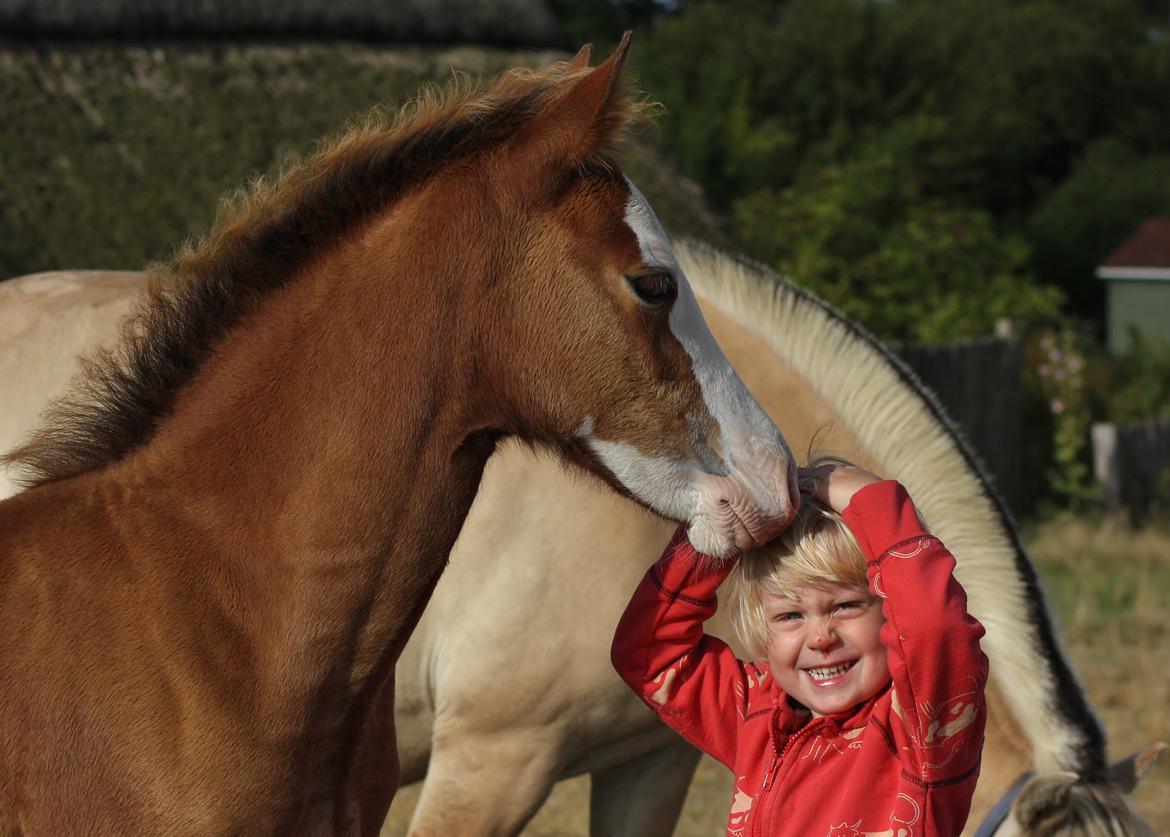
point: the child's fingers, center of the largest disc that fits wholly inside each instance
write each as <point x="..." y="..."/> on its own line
<point x="815" y="481"/>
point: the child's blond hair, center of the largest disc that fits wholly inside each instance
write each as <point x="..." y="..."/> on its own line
<point x="817" y="549"/>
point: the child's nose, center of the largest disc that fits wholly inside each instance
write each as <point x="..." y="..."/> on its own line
<point x="821" y="636"/>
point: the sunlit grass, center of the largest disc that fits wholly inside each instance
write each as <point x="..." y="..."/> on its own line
<point x="1109" y="587"/>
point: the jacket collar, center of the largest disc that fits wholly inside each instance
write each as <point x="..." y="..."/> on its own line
<point x="790" y="717"/>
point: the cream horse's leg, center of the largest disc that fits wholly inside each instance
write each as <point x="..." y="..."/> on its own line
<point x="644" y="796"/>
<point x="480" y="785"/>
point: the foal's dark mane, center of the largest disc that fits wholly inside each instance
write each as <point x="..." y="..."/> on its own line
<point x="264" y="236"/>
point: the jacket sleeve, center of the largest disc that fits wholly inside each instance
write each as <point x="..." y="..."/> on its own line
<point x="938" y="671"/>
<point x="691" y="680"/>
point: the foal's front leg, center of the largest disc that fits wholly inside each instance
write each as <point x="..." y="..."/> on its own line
<point x="372" y="778"/>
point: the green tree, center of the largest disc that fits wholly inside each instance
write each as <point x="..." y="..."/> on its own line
<point x="1110" y="190"/>
<point x="864" y="236"/>
<point x="1132" y="386"/>
<point x="996" y="110"/>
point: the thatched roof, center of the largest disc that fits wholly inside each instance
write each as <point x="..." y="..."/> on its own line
<point x="496" y="22"/>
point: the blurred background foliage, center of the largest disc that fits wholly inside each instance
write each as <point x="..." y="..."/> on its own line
<point x="1134" y="386"/>
<point x="930" y="167"/>
<point x="981" y="156"/>
<point x="115" y="152"/>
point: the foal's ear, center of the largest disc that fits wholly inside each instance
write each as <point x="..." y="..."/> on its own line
<point x="1041" y="798"/>
<point x="593" y="111"/>
<point x="581" y="59"/>
<point x="1129" y="771"/>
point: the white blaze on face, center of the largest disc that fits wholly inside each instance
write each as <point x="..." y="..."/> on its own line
<point x="745" y="466"/>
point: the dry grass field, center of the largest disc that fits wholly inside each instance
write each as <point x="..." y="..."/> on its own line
<point x="1110" y="588"/>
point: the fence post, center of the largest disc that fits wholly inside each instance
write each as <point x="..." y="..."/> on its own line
<point x="1107" y="464"/>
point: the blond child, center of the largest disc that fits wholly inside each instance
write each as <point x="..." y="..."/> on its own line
<point x="862" y="712"/>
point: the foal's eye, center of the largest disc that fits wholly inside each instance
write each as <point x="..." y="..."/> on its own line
<point x="655" y="288"/>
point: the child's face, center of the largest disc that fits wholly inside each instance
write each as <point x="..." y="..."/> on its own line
<point x="823" y="646"/>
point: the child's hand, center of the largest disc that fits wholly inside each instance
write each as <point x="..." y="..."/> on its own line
<point x="834" y="484"/>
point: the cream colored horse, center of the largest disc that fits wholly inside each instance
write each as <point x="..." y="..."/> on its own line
<point x="506" y="686"/>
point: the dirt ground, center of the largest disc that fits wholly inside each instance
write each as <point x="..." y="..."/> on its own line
<point x="1109" y="586"/>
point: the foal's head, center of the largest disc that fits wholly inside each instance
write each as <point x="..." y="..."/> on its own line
<point x="595" y="342"/>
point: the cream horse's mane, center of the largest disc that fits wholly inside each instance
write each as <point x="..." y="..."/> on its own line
<point x="910" y="437"/>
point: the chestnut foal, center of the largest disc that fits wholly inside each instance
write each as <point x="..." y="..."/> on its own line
<point x="238" y="516"/>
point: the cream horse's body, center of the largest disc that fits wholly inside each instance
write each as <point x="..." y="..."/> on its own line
<point x="505" y="687"/>
<point x="48" y="320"/>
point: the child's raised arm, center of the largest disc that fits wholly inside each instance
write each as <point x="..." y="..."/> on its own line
<point x="938" y="670"/>
<point x="692" y="681"/>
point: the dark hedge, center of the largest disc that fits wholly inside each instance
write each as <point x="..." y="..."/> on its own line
<point x="111" y="155"/>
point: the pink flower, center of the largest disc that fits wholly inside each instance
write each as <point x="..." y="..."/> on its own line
<point x="1057" y="406"/>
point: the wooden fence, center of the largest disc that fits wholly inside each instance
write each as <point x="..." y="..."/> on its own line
<point x="978" y="382"/>
<point x="1131" y="463"/>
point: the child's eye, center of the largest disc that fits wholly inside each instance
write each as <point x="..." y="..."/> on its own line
<point x="787" y="616"/>
<point x="849" y="605"/>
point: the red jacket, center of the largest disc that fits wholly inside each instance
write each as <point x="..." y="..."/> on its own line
<point x="903" y="764"/>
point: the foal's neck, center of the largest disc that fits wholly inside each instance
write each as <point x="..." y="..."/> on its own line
<point x="327" y="450"/>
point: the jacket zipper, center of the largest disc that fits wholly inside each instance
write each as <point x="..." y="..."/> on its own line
<point x="774" y="770"/>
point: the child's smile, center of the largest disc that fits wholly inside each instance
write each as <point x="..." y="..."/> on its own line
<point x="829" y="675"/>
<point x="824" y="647"/>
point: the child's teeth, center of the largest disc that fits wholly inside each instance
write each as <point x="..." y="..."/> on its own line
<point x="824" y="673"/>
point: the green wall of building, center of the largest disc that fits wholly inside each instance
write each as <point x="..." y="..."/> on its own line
<point x="1144" y="304"/>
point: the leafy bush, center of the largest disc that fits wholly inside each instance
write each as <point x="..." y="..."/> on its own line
<point x="865" y="236"/>
<point x="1110" y="188"/>
<point x="1133" y="386"/>
<point x="844" y="135"/>
<point x="1058" y="360"/>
